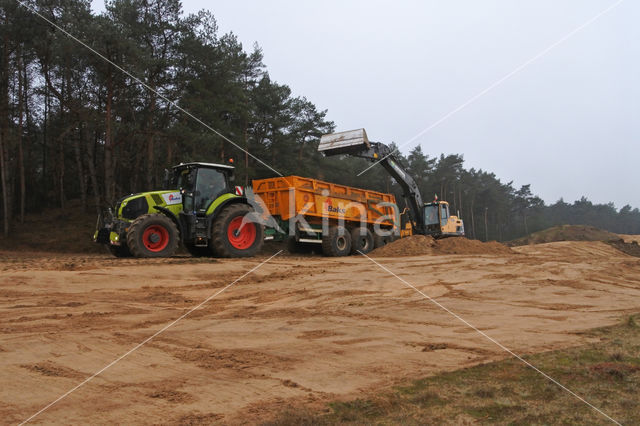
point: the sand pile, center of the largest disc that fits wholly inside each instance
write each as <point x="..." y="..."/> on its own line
<point x="461" y="245"/>
<point x="566" y="233"/>
<point x="632" y="248"/>
<point x="418" y="245"/>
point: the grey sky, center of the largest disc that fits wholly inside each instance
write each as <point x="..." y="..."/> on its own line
<point x="568" y="124"/>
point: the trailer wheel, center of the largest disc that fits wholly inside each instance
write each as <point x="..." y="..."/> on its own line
<point x="231" y="237"/>
<point x="337" y="242"/>
<point x="152" y="235"/>
<point x="361" y="240"/>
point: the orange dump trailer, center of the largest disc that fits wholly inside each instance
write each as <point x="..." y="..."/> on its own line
<point x="343" y="219"/>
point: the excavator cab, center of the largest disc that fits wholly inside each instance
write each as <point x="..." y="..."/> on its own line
<point x="439" y="222"/>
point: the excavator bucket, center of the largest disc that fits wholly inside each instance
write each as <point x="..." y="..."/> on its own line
<point x="348" y="142"/>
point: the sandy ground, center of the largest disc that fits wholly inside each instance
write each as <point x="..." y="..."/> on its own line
<point x="299" y="330"/>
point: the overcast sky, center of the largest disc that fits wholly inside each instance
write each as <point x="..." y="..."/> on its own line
<point x="568" y="123"/>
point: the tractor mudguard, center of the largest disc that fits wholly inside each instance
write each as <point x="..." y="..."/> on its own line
<point x="219" y="204"/>
<point x="171" y="216"/>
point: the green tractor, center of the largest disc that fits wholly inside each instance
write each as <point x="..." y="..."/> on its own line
<point x="202" y="209"/>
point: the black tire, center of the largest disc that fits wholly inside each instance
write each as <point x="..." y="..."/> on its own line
<point x="224" y="246"/>
<point x="153" y="235"/>
<point x="380" y="241"/>
<point x="361" y="240"/>
<point x="337" y="242"/>
<point x="198" y="251"/>
<point x="119" y="251"/>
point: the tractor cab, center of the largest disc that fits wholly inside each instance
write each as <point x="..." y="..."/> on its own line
<point x="200" y="184"/>
<point x="439" y="222"/>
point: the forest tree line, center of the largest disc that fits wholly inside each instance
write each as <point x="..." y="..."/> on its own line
<point x="75" y="126"/>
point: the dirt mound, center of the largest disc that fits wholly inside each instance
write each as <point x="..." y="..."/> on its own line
<point x="418" y="245"/>
<point x="566" y="233"/>
<point x="632" y="248"/>
<point x="461" y="245"/>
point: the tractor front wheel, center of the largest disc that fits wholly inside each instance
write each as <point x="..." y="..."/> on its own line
<point x="233" y="235"/>
<point x="152" y="235"/>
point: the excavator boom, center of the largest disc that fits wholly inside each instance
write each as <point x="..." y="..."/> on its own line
<point x="357" y="144"/>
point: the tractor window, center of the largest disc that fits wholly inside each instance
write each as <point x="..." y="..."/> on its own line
<point x="184" y="179"/>
<point x="210" y="185"/>
<point x="431" y="215"/>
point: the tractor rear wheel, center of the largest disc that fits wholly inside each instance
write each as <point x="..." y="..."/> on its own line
<point x="337" y="242"/>
<point x="233" y="236"/>
<point x="152" y="235"/>
<point x="361" y="240"/>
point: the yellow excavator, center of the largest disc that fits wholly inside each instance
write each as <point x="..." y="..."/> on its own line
<point x="424" y="218"/>
<point x="439" y="222"/>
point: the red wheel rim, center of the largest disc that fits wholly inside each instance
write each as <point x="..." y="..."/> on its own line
<point x="155" y="238"/>
<point x="241" y="236"/>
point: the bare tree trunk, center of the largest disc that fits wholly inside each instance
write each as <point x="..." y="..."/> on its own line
<point x="150" y="145"/>
<point x="473" y="220"/>
<point x="169" y="152"/>
<point x="81" y="176"/>
<point x="92" y="171"/>
<point x="4" y="125"/>
<point x="109" y="184"/>
<point x="61" y="150"/>
<point x="21" y="98"/>
<point x="45" y="136"/>
<point x="246" y="155"/>
<point x="454" y="201"/>
<point x="61" y="172"/>
<point x="135" y="180"/>
<point x="486" y="229"/>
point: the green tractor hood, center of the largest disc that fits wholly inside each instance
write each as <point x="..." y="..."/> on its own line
<point x="130" y="207"/>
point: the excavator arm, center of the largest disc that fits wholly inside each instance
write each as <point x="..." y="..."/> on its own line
<point x="356" y="144"/>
